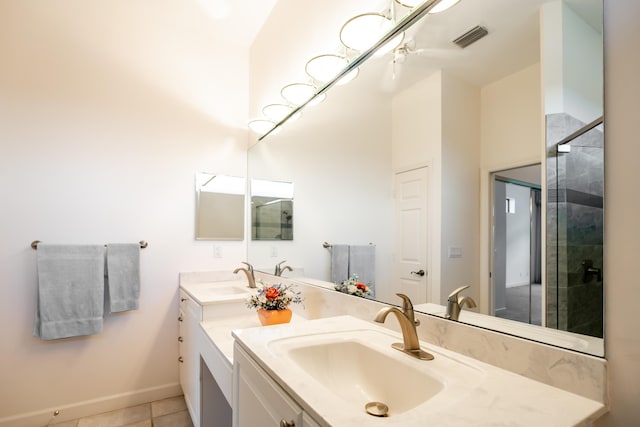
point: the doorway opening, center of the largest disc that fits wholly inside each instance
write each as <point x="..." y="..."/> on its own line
<point x="516" y="270"/>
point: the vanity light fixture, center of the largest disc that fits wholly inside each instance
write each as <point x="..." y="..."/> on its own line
<point x="313" y="96"/>
<point x="299" y="93"/>
<point x="261" y="126"/>
<point x="440" y="7"/>
<point x="323" y="68"/>
<point x="363" y="31"/>
<point x="277" y="112"/>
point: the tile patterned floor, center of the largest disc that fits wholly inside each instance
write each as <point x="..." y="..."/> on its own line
<point x="171" y="412"/>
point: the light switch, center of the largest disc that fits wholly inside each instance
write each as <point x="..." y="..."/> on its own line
<point x="455" y="252"/>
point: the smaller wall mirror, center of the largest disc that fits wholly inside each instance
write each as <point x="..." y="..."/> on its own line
<point x="271" y="210"/>
<point x="219" y="207"/>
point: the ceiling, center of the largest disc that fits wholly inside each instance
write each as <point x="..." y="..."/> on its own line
<point x="512" y="43"/>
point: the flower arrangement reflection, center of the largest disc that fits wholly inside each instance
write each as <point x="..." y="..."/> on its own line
<point x="274" y="297"/>
<point x="352" y="286"/>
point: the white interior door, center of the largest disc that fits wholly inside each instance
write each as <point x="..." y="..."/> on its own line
<point x="411" y="251"/>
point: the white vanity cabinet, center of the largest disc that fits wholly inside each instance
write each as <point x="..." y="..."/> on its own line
<point x="189" y="356"/>
<point x="259" y="401"/>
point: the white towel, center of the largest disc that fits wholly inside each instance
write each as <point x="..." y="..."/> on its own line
<point x="123" y="276"/>
<point x="339" y="263"/>
<point x="70" y="291"/>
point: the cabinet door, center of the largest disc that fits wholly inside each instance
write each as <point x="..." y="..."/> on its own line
<point x="258" y="400"/>
<point x="189" y="319"/>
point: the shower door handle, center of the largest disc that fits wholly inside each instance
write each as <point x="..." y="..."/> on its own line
<point x="418" y="273"/>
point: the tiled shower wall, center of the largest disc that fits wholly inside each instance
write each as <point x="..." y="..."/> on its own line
<point x="575" y="183"/>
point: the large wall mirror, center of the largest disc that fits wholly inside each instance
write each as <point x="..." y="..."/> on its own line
<point x="479" y="165"/>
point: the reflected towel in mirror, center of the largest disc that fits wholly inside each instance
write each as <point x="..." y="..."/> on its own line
<point x="339" y="263"/>
<point x="362" y="262"/>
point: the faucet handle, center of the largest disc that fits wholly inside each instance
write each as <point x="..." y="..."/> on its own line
<point x="249" y="266"/>
<point x="407" y="309"/>
<point x="453" y="296"/>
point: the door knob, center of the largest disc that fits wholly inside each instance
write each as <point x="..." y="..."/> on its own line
<point x="418" y="273"/>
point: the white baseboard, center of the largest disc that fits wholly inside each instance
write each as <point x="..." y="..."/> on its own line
<point x="91" y="407"/>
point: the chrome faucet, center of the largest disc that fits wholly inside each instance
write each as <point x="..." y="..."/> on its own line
<point x="280" y="269"/>
<point x="408" y="323"/>
<point x="251" y="278"/>
<point x="455" y="303"/>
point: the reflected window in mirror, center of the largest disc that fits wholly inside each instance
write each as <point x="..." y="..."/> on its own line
<point x="220" y="201"/>
<point x="271" y="210"/>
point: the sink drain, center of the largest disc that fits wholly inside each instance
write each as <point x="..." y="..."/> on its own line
<point x="377" y="409"/>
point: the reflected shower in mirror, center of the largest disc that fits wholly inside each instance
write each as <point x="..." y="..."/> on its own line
<point x="271" y="210"/>
<point x="219" y="207"/>
<point x="405" y="156"/>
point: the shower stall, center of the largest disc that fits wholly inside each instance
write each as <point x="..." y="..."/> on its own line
<point x="575" y="214"/>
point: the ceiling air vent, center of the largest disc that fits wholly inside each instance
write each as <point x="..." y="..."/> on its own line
<point x="471" y="36"/>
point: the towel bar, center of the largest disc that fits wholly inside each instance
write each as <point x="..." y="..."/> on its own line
<point x="329" y="245"/>
<point x="34" y="244"/>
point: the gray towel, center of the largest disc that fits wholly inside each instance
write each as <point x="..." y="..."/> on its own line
<point x="123" y="276"/>
<point x="362" y="261"/>
<point x="339" y="263"/>
<point x="70" y="291"/>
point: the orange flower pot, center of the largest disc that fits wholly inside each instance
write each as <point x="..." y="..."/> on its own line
<point x="274" y="317"/>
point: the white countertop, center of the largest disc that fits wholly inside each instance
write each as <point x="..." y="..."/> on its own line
<point x="220" y="331"/>
<point x="502" y="398"/>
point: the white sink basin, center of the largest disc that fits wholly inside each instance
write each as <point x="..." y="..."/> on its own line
<point x="225" y="291"/>
<point x="359" y="373"/>
<point x="360" y="367"/>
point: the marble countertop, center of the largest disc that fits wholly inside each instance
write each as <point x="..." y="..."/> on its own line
<point x="501" y="398"/>
<point x="564" y="339"/>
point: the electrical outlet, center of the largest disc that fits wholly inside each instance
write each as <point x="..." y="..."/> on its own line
<point x="217" y="251"/>
<point x="274" y="252"/>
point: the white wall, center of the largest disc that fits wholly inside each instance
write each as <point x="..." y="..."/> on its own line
<point x="511" y="129"/>
<point x="337" y="199"/>
<point x="417" y="141"/>
<point x="511" y="136"/>
<point x="622" y="240"/>
<point x="460" y="185"/>
<point x="572" y="54"/>
<point x="106" y="113"/>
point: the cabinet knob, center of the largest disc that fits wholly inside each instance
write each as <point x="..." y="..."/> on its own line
<point x="285" y="423"/>
<point x="180" y="339"/>
<point x="183" y="299"/>
<point x="179" y="318"/>
<point x="180" y="359"/>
